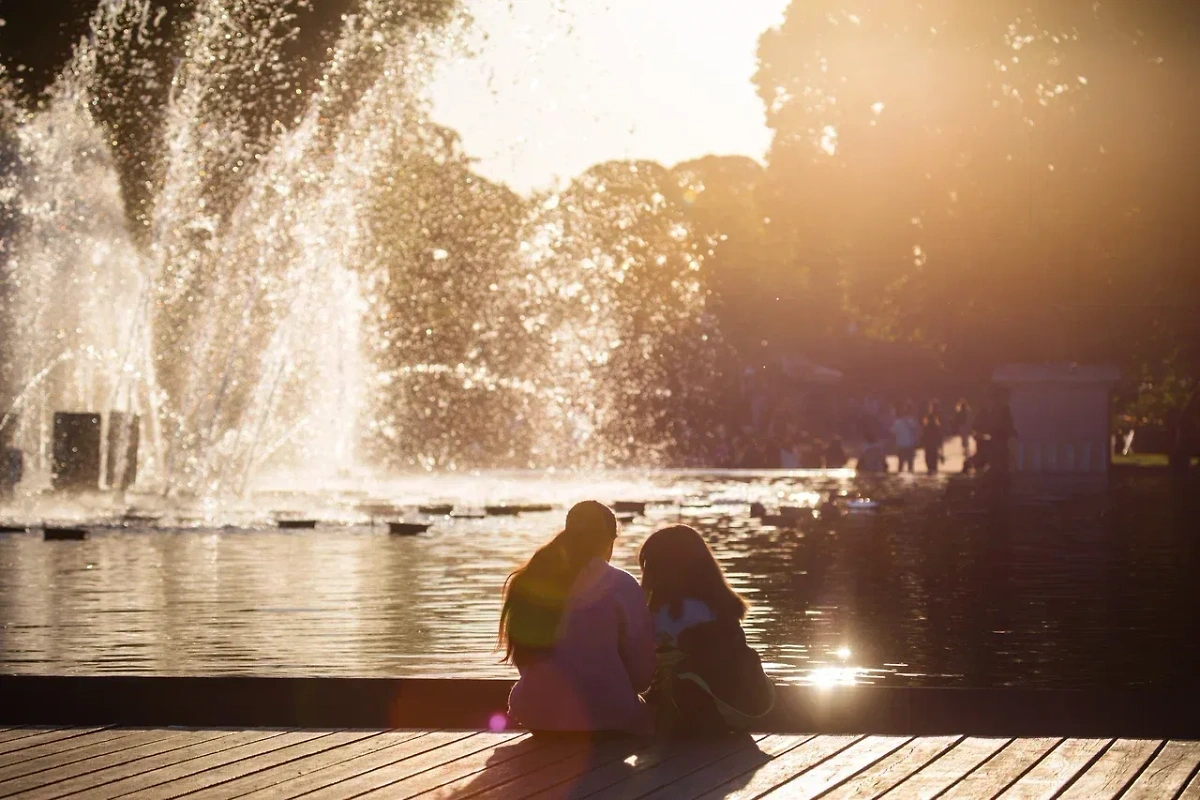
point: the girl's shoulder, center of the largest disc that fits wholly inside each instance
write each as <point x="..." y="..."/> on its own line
<point x="693" y="612"/>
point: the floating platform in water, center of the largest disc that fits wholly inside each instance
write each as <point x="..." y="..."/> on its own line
<point x="535" y="508"/>
<point x="64" y="534"/>
<point x="436" y="510"/>
<point x="13" y="529"/>
<point x="297" y="524"/>
<point x="469" y="514"/>
<point x="502" y="511"/>
<point x="630" y="507"/>
<point x="407" y="528"/>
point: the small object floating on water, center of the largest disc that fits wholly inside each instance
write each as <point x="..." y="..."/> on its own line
<point x="297" y="524"/>
<point x="13" y="529"/>
<point x="64" y="534"/>
<point x="407" y="528"/>
<point x="468" y="514"/>
<point x="862" y="504"/>
<point x="140" y="519"/>
<point x="442" y="510"/>
<point x="535" y="508"/>
<point x="502" y="511"/>
<point x="624" y="518"/>
<point x="758" y="510"/>
<point x="630" y="507"/>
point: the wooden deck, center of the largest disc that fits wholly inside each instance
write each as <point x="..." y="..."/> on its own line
<point x="104" y="763"/>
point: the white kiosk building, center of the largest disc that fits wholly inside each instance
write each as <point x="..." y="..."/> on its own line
<point x="1063" y="416"/>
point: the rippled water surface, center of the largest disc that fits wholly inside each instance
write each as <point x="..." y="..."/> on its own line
<point x="939" y="587"/>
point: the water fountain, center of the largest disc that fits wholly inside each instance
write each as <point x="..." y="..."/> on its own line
<point x="244" y="300"/>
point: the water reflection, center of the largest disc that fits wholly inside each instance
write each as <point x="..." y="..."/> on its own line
<point x="1065" y="591"/>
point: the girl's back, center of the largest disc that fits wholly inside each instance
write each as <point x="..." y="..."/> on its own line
<point x="602" y="659"/>
<point x="579" y="632"/>
<point x="708" y="678"/>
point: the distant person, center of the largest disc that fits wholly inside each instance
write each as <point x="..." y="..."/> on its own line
<point x="708" y="679"/>
<point x="835" y="454"/>
<point x="907" y="431"/>
<point x="872" y="458"/>
<point x="789" y="453"/>
<point x="993" y="429"/>
<point x="962" y="425"/>
<point x="579" y="632"/>
<point x="932" y="438"/>
<point x="811" y="452"/>
<point x="1182" y="430"/>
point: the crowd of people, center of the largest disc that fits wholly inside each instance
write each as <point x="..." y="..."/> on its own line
<point x="874" y="431"/>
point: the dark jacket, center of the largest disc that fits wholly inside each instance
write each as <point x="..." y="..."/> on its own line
<point x="710" y="680"/>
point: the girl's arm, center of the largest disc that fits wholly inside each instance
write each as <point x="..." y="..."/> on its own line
<point x="636" y="640"/>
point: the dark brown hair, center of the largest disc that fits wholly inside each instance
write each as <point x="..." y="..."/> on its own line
<point x="677" y="564"/>
<point x="536" y="594"/>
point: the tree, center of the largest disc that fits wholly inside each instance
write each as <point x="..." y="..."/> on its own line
<point x="994" y="181"/>
<point x="447" y="327"/>
<point x="618" y="252"/>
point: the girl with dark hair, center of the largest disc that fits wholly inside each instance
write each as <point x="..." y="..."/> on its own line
<point x="708" y="679"/>
<point x="579" y="633"/>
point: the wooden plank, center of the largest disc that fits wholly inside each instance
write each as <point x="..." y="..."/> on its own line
<point x="123" y="739"/>
<point x="319" y="744"/>
<point x="293" y="770"/>
<point x="10" y="750"/>
<point x="113" y="762"/>
<point x="840" y="768"/>
<point x="781" y="769"/>
<point x="889" y="772"/>
<point x="22" y="757"/>
<point x="688" y="757"/>
<point x="1192" y="792"/>
<point x="437" y="759"/>
<point x="731" y="772"/>
<point x="997" y="773"/>
<point x="600" y="779"/>
<point x="1113" y="771"/>
<point x="1167" y="773"/>
<point x="1057" y="769"/>
<point x="228" y="759"/>
<point x="332" y="774"/>
<point x="932" y="779"/>
<point x="8" y="734"/>
<point x="556" y="779"/>
<point x="521" y="769"/>
<point x="91" y="774"/>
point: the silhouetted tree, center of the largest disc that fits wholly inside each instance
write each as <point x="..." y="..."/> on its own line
<point x="994" y="180"/>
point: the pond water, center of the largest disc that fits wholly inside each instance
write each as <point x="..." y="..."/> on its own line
<point x="1050" y="589"/>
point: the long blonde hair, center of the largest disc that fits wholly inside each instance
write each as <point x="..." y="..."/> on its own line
<point x="536" y="594"/>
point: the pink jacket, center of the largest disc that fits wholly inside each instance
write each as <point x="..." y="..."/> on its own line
<point x="603" y="660"/>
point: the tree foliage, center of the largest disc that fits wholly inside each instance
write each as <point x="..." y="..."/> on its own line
<point x="998" y="181"/>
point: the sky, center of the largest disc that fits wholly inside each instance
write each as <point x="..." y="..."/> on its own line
<point x="555" y="86"/>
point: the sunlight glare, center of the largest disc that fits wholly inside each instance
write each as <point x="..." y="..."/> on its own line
<point x="829" y="140"/>
<point x="829" y="677"/>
